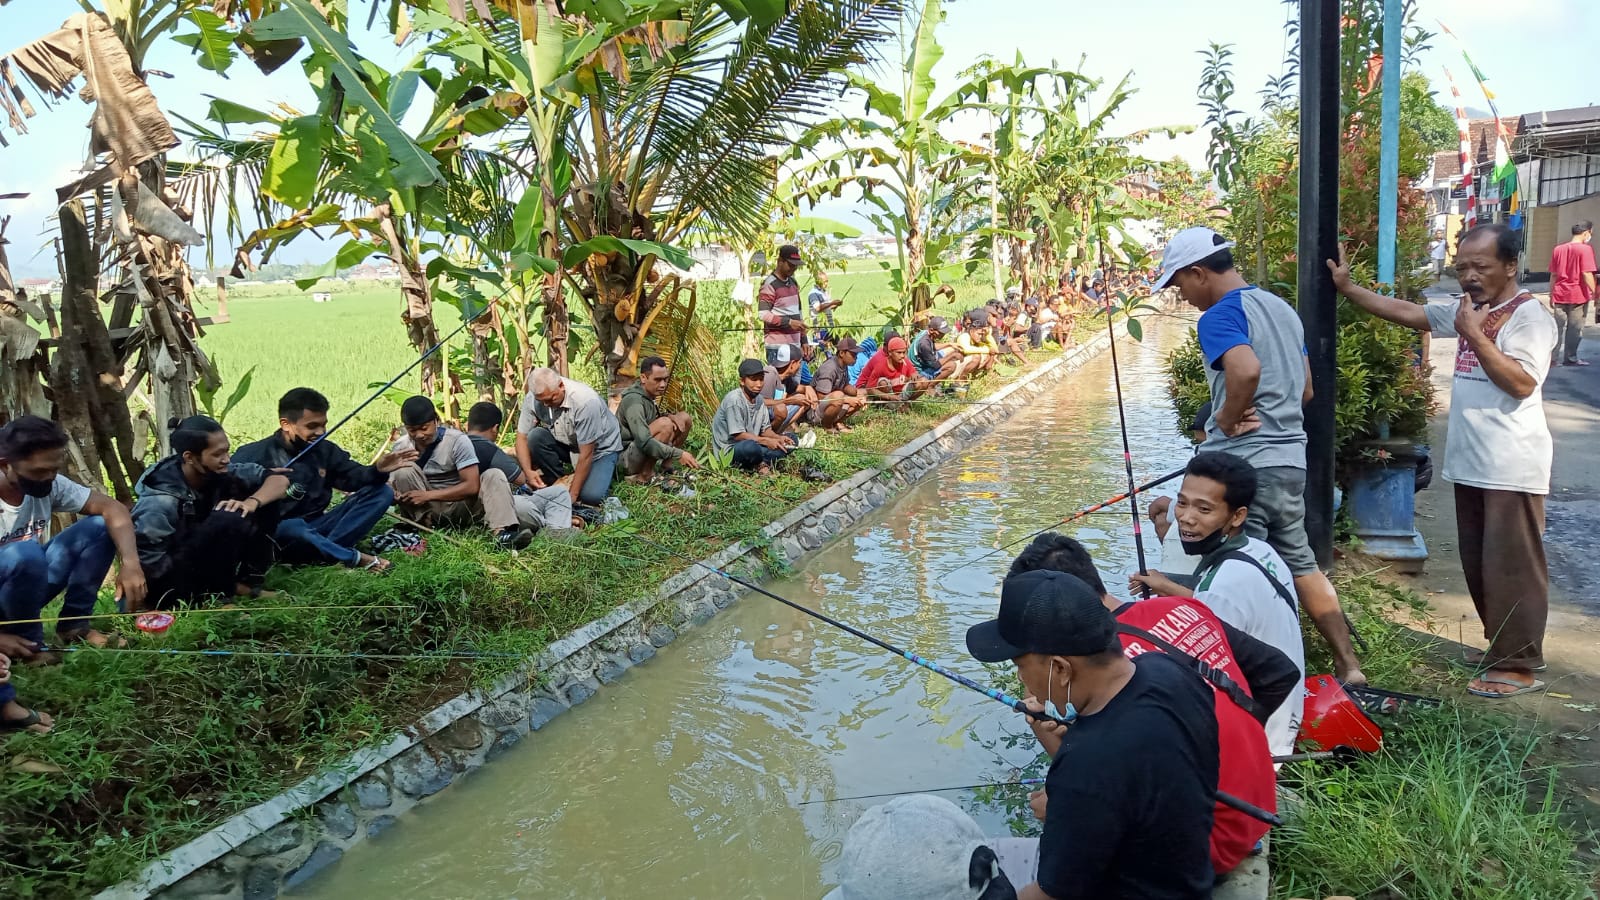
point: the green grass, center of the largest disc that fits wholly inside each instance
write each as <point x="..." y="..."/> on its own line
<point x="155" y="749"/>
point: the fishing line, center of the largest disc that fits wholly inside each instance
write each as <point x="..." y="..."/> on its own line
<point x="285" y="654"/>
<point x="403" y="372"/>
<point x="201" y="611"/>
<point x="931" y="666"/>
<point x="1087" y="510"/>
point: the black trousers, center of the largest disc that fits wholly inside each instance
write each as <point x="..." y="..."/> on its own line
<point x="551" y="457"/>
<point x="210" y="558"/>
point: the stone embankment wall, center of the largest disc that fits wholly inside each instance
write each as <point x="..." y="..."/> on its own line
<point x="282" y="843"/>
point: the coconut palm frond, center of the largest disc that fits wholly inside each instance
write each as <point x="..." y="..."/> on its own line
<point x="689" y="348"/>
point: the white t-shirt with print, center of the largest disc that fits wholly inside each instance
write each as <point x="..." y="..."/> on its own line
<point x="31" y="520"/>
<point x="1241" y="596"/>
<point x="1496" y="441"/>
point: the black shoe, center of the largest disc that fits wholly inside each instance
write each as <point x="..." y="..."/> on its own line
<point x="591" y="515"/>
<point x="810" y="474"/>
<point x="513" y="538"/>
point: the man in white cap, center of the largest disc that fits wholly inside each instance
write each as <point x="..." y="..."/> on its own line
<point x="919" y="847"/>
<point x="1254" y="348"/>
<point x="783" y="371"/>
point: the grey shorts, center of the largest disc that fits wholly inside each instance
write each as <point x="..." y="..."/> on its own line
<point x="1279" y="516"/>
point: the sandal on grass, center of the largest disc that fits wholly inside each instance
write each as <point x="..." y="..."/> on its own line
<point x="94" y="638"/>
<point x="377" y="565"/>
<point x="1520" y="688"/>
<point x="1476" y="657"/>
<point x="26" y="723"/>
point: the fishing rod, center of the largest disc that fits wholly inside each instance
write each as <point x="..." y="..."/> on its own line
<point x="466" y="321"/>
<point x="1087" y="510"/>
<point x="284" y="654"/>
<point x="1122" y="420"/>
<point x="201" y="611"/>
<point x="991" y="693"/>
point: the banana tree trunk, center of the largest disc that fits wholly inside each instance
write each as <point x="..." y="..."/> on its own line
<point x="418" y="314"/>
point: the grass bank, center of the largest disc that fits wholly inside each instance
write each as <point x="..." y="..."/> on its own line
<point x="152" y="749"/>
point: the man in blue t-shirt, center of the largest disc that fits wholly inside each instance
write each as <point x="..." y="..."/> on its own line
<point x="1254" y="347"/>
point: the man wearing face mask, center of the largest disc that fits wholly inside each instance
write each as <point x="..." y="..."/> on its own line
<point x="1131" y="791"/>
<point x="1240" y="578"/>
<point x="35" y="567"/>
<point x="309" y="532"/>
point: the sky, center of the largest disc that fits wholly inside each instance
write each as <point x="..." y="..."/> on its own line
<point x="1528" y="56"/>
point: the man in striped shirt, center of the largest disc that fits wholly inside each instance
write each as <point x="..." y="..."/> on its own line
<point x="778" y="305"/>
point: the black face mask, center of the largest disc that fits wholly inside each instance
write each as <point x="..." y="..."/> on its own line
<point x="1207" y="544"/>
<point x="33" y="487"/>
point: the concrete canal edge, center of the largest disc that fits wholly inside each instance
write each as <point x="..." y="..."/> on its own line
<point x="282" y="843"/>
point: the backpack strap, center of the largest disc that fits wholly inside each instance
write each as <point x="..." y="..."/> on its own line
<point x="1215" y="676"/>
<point x="1277" y="585"/>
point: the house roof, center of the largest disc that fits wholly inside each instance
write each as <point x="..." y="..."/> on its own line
<point x="1446" y="164"/>
<point x="1483" y="135"/>
<point x="1556" y="118"/>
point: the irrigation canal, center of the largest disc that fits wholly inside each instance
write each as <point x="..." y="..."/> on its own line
<point x="685" y="778"/>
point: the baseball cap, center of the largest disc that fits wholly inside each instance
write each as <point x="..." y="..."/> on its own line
<point x="782" y="354"/>
<point x="937" y="323"/>
<point x="847" y="344"/>
<point x="1014" y="291"/>
<point x="791" y="253"/>
<point x="895" y="343"/>
<point x="750" y="368"/>
<point x="1044" y="612"/>
<point x="918" y="846"/>
<point x="1186" y="248"/>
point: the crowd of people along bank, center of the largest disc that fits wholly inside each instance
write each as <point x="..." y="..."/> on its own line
<point x="210" y="519"/>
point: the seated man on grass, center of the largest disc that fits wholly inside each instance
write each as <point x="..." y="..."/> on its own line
<point x="1240" y="578"/>
<point x="978" y="350"/>
<point x="743" y="425"/>
<point x="204" y="523"/>
<point x="784" y="371"/>
<point x="308" y="531"/>
<point x="36" y="568"/>
<point x="934" y="357"/>
<point x="565" y="423"/>
<point x="1249" y="680"/>
<point x="443" y="485"/>
<point x="651" y="439"/>
<point x="890" y="377"/>
<point x="1130" y="797"/>
<point x="837" y="398"/>
<point x="14" y="716"/>
<point x="537" y="508"/>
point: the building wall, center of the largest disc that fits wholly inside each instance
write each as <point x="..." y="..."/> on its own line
<point x="1551" y="225"/>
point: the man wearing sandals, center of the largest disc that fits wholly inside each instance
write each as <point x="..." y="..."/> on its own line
<point x="651" y="439"/>
<point x="309" y="532"/>
<point x="1499" y="450"/>
<point x="36" y="568"/>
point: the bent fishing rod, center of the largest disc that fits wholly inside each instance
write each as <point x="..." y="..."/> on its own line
<point x="1122" y="421"/>
<point x="465" y="322"/>
<point x="991" y="693"/>
<point x="1086" y="511"/>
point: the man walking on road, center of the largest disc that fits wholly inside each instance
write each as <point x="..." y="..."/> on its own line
<point x="1256" y="363"/>
<point x="1499" y="449"/>
<point x="1572" y="282"/>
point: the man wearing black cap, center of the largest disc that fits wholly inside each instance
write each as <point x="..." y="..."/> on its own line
<point x="778" y="305"/>
<point x="743" y="425"/>
<point x="1131" y="791"/>
<point x="935" y="359"/>
<point x="837" y="398"/>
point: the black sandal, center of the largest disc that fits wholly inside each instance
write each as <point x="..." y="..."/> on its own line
<point x="23" y="724"/>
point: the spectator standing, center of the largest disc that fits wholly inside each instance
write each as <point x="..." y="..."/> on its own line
<point x="778" y="305"/>
<point x="822" y="305"/>
<point x="1572" y="286"/>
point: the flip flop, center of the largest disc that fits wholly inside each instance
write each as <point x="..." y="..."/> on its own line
<point x="378" y="566"/>
<point x="23" y="724"/>
<point x="1521" y="688"/>
<point x="1475" y="658"/>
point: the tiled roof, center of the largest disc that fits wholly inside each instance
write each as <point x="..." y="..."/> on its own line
<point x="1446" y="164"/>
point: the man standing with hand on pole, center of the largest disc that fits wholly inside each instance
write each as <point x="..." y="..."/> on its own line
<point x="1254" y="348"/>
<point x="1498" y="451"/>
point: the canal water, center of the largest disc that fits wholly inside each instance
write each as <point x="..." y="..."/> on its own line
<point x="690" y="777"/>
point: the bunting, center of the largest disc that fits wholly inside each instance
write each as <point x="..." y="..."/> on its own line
<point x="1468" y="181"/>
<point x="1505" y="171"/>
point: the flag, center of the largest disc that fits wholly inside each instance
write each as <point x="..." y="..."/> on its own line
<point x="1505" y="171"/>
<point x="1467" y="177"/>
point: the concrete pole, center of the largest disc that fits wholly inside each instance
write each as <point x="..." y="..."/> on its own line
<point x="1389" y="148"/>
<point x="1319" y="240"/>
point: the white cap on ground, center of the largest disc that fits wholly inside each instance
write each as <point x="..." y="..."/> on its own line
<point x="1186" y="248"/>
<point x="918" y="846"/>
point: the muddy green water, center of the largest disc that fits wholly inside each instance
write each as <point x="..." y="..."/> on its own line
<point x="685" y="779"/>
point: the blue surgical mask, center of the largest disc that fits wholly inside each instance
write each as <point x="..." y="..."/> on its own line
<point x="1068" y="713"/>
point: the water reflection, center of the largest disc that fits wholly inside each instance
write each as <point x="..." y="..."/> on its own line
<point x="684" y="780"/>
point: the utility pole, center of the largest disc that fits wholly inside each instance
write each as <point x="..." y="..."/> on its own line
<point x="1389" y="147"/>
<point x="1319" y="240"/>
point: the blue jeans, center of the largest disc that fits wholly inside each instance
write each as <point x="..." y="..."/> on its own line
<point x="332" y="536"/>
<point x="31" y="575"/>
<point x="748" y="454"/>
<point x="598" y="484"/>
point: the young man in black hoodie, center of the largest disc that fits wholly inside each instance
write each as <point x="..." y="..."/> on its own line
<point x="308" y="531"/>
<point x="203" y="522"/>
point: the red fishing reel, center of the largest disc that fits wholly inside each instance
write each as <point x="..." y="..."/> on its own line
<point x="1339" y="718"/>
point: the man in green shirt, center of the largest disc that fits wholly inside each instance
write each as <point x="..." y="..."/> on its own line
<point x="650" y="437"/>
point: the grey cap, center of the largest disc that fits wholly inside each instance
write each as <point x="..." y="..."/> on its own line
<point x="918" y="846"/>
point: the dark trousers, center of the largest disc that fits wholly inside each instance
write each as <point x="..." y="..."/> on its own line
<point x="1569" y="326"/>
<point x="1501" y="537"/>
<point x="748" y="454"/>
<point x="210" y="558"/>
<point x="553" y="459"/>
<point x="332" y="536"/>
